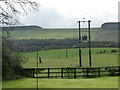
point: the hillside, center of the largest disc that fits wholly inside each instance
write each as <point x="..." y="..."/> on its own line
<point x="36" y="32"/>
<point x="48" y="33"/>
<point x="31" y="27"/>
<point x="110" y="26"/>
<point x="35" y="38"/>
<point x="107" y="35"/>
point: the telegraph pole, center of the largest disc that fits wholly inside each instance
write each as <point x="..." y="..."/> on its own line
<point x="37" y="70"/>
<point x="80" y="58"/>
<point x="90" y="63"/>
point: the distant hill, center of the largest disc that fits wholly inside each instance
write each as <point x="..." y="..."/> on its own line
<point x="110" y="26"/>
<point x="109" y="32"/>
<point x="31" y="27"/>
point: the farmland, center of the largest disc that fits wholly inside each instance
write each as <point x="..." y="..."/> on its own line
<point x="59" y="38"/>
<point x="61" y="33"/>
<point x="66" y="58"/>
<point x="47" y="33"/>
<point x="57" y="58"/>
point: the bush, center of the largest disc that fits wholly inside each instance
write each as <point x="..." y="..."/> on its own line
<point x="113" y="51"/>
<point x="11" y="60"/>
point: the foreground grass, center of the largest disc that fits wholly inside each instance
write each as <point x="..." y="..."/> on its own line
<point x="104" y="82"/>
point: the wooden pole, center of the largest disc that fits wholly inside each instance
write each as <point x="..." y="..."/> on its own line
<point x="90" y="64"/>
<point x="80" y="61"/>
<point x="48" y="72"/>
<point x="98" y="71"/>
<point x="61" y="72"/>
<point x="33" y="72"/>
<point x="37" y="70"/>
<point x="74" y="72"/>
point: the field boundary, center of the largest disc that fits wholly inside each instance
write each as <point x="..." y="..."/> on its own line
<point x="70" y="72"/>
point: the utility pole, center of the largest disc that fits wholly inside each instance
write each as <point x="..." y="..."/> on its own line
<point x="37" y="70"/>
<point x="90" y="63"/>
<point x="80" y="58"/>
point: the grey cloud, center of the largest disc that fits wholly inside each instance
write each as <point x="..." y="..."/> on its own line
<point x="46" y="18"/>
<point x="49" y="17"/>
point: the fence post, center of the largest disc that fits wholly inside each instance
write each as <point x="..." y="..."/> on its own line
<point x="84" y="72"/>
<point x="118" y="70"/>
<point x="87" y="72"/>
<point x="98" y="71"/>
<point x="61" y="72"/>
<point x="74" y="72"/>
<point x="48" y="72"/>
<point x="33" y="72"/>
<point x="109" y="71"/>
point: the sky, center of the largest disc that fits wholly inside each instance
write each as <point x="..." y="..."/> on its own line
<point x="66" y="13"/>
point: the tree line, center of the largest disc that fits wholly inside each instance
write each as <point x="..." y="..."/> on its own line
<point x="47" y="44"/>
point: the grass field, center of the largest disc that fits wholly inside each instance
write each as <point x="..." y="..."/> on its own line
<point x="57" y="58"/>
<point x="48" y="33"/>
<point x="104" y="82"/>
<point x="62" y="33"/>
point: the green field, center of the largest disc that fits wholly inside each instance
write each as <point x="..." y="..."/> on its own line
<point x="48" y="33"/>
<point x="104" y="82"/>
<point x="62" y="33"/>
<point x="57" y="58"/>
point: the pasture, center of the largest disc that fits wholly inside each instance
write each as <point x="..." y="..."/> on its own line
<point x="61" y="33"/>
<point x="57" y="58"/>
<point x="49" y="33"/>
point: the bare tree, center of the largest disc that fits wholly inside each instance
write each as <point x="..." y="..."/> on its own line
<point x="11" y="9"/>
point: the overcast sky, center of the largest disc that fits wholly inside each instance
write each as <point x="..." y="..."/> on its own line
<point x="66" y="13"/>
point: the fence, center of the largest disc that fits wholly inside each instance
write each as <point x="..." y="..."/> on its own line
<point x="70" y="72"/>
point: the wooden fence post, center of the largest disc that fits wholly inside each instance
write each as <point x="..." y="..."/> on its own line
<point x="118" y="70"/>
<point x="61" y="72"/>
<point x="48" y="72"/>
<point x="74" y="72"/>
<point x="98" y="71"/>
<point x="87" y="71"/>
<point x="33" y="72"/>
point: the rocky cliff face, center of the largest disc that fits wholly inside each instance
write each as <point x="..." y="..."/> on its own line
<point x="111" y="26"/>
